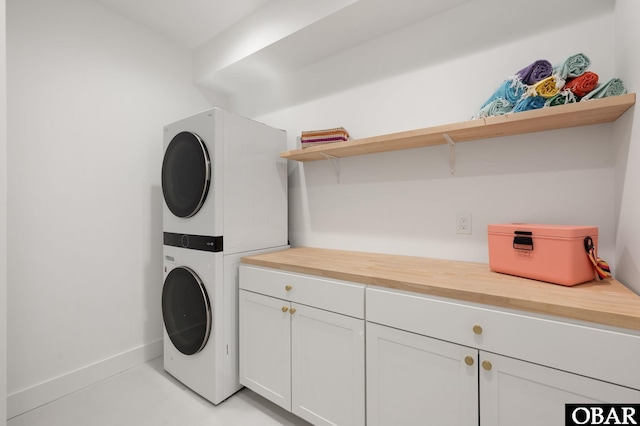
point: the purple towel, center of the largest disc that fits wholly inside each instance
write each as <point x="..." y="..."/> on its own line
<point x="539" y="70"/>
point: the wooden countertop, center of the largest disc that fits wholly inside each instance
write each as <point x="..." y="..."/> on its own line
<point x="606" y="302"/>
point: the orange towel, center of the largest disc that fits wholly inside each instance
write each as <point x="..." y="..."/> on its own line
<point x="582" y="85"/>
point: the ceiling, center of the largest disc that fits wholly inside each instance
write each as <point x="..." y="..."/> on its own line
<point x="194" y="22"/>
<point x="240" y="43"/>
<point x="236" y="42"/>
<point x="189" y="22"/>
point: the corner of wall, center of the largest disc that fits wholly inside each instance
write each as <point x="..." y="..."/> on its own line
<point x="22" y="401"/>
<point x="215" y="98"/>
<point x="3" y="215"/>
<point x="627" y="136"/>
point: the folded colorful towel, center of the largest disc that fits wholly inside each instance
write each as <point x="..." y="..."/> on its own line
<point x="315" y="133"/>
<point x="538" y="70"/>
<point x="547" y="88"/>
<point x="511" y="90"/>
<point x="562" y="98"/>
<point x="320" y="137"/>
<point x="573" y="66"/>
<point x="529" y="103"/>
<point x="582" y="85"/>
<point x="613" y="87"/>
<point x="497" y="106"/>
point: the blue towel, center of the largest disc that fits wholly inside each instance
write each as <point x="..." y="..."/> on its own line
<point x="613" y="87"/>
<point x="573" y="66"/>
<point x="497" y="106"/>
<point x="529" y="103"/>
<point x="511" y="90"/>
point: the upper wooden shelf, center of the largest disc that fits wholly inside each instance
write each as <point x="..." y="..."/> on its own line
<point x="594" y="111"/>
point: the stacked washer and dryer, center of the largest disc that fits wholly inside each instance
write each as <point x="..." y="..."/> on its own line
<point x="225" y="197"/>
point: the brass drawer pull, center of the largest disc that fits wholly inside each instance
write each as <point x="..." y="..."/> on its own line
<point x="487" y="365"/>
<point x="477" y="329"/>
<point x="285" y="309"/>
<point x="469" y="360"/>
<point x="292" y="311"/>
<point x="288" y="287"/>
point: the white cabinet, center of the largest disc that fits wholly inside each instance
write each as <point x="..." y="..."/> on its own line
<point x="605" y="353"/>
<point x="265" y="347"/>
<point x="429" y="360"/>
<point x="309" y="361"/>
<point x="413" y="379"/>
<point x="514" y="392"/>
<point x="327" y="367"/>
<point x="457" y="379"/>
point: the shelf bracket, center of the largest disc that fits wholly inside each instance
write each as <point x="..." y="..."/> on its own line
<point x="452" y="153"/>
<point x="335" y="162"/>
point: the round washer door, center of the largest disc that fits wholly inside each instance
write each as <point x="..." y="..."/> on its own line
<point x="186" y="174"/>
<point x="186" y="310"/>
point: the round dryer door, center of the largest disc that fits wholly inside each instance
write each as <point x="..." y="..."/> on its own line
<point x="186" y="174"/>
<point x="186" y="310"/>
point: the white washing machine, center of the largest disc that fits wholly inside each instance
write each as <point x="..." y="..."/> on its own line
<point x="199" y="308"/>
<point x="225" y="196"/>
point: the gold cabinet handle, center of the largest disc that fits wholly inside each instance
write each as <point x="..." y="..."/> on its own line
<point x="469" y="360"/>
<point x="285" y="309"/>
<point x="477" y="329"/>
<point x="292" y="311"/>
<point x="487" y="365"/>
<point x="288" y="287"/>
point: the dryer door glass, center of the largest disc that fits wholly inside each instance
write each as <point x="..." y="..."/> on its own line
<point x="186" y="310"/>
<point x="186" y="174"/>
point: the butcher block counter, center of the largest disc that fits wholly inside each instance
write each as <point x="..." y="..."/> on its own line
<point x="606" y="302"/>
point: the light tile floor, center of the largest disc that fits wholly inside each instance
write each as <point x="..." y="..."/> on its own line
<point x="147" y="396"/>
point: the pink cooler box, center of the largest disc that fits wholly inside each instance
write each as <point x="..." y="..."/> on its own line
<point x="551" y="253"/>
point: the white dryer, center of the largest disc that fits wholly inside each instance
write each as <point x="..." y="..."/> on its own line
<point x="225" y="196"/>
<point x="223" y="179"/>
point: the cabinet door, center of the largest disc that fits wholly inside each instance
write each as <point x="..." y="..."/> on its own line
<point x="328" y="368"/>
<point x="265" y="348"/>
<point x="514" y="392"/>
<point x="413" y="379"/>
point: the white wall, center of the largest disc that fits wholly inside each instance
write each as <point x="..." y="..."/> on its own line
<point x="406" y="202"/>
<point x="627" y="132"/>
<point x="88" y="94"/>
<point x="3" y="216"/>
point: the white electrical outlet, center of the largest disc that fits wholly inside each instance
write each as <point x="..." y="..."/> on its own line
<point x="463" y="223"/>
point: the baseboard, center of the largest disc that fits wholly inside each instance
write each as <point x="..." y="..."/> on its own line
<point x="25" y="400"/>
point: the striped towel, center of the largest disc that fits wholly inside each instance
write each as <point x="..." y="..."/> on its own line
<point x="320" y="137"/>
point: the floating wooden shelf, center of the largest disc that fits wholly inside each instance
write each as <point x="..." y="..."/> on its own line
<point x="594" y="111"/>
